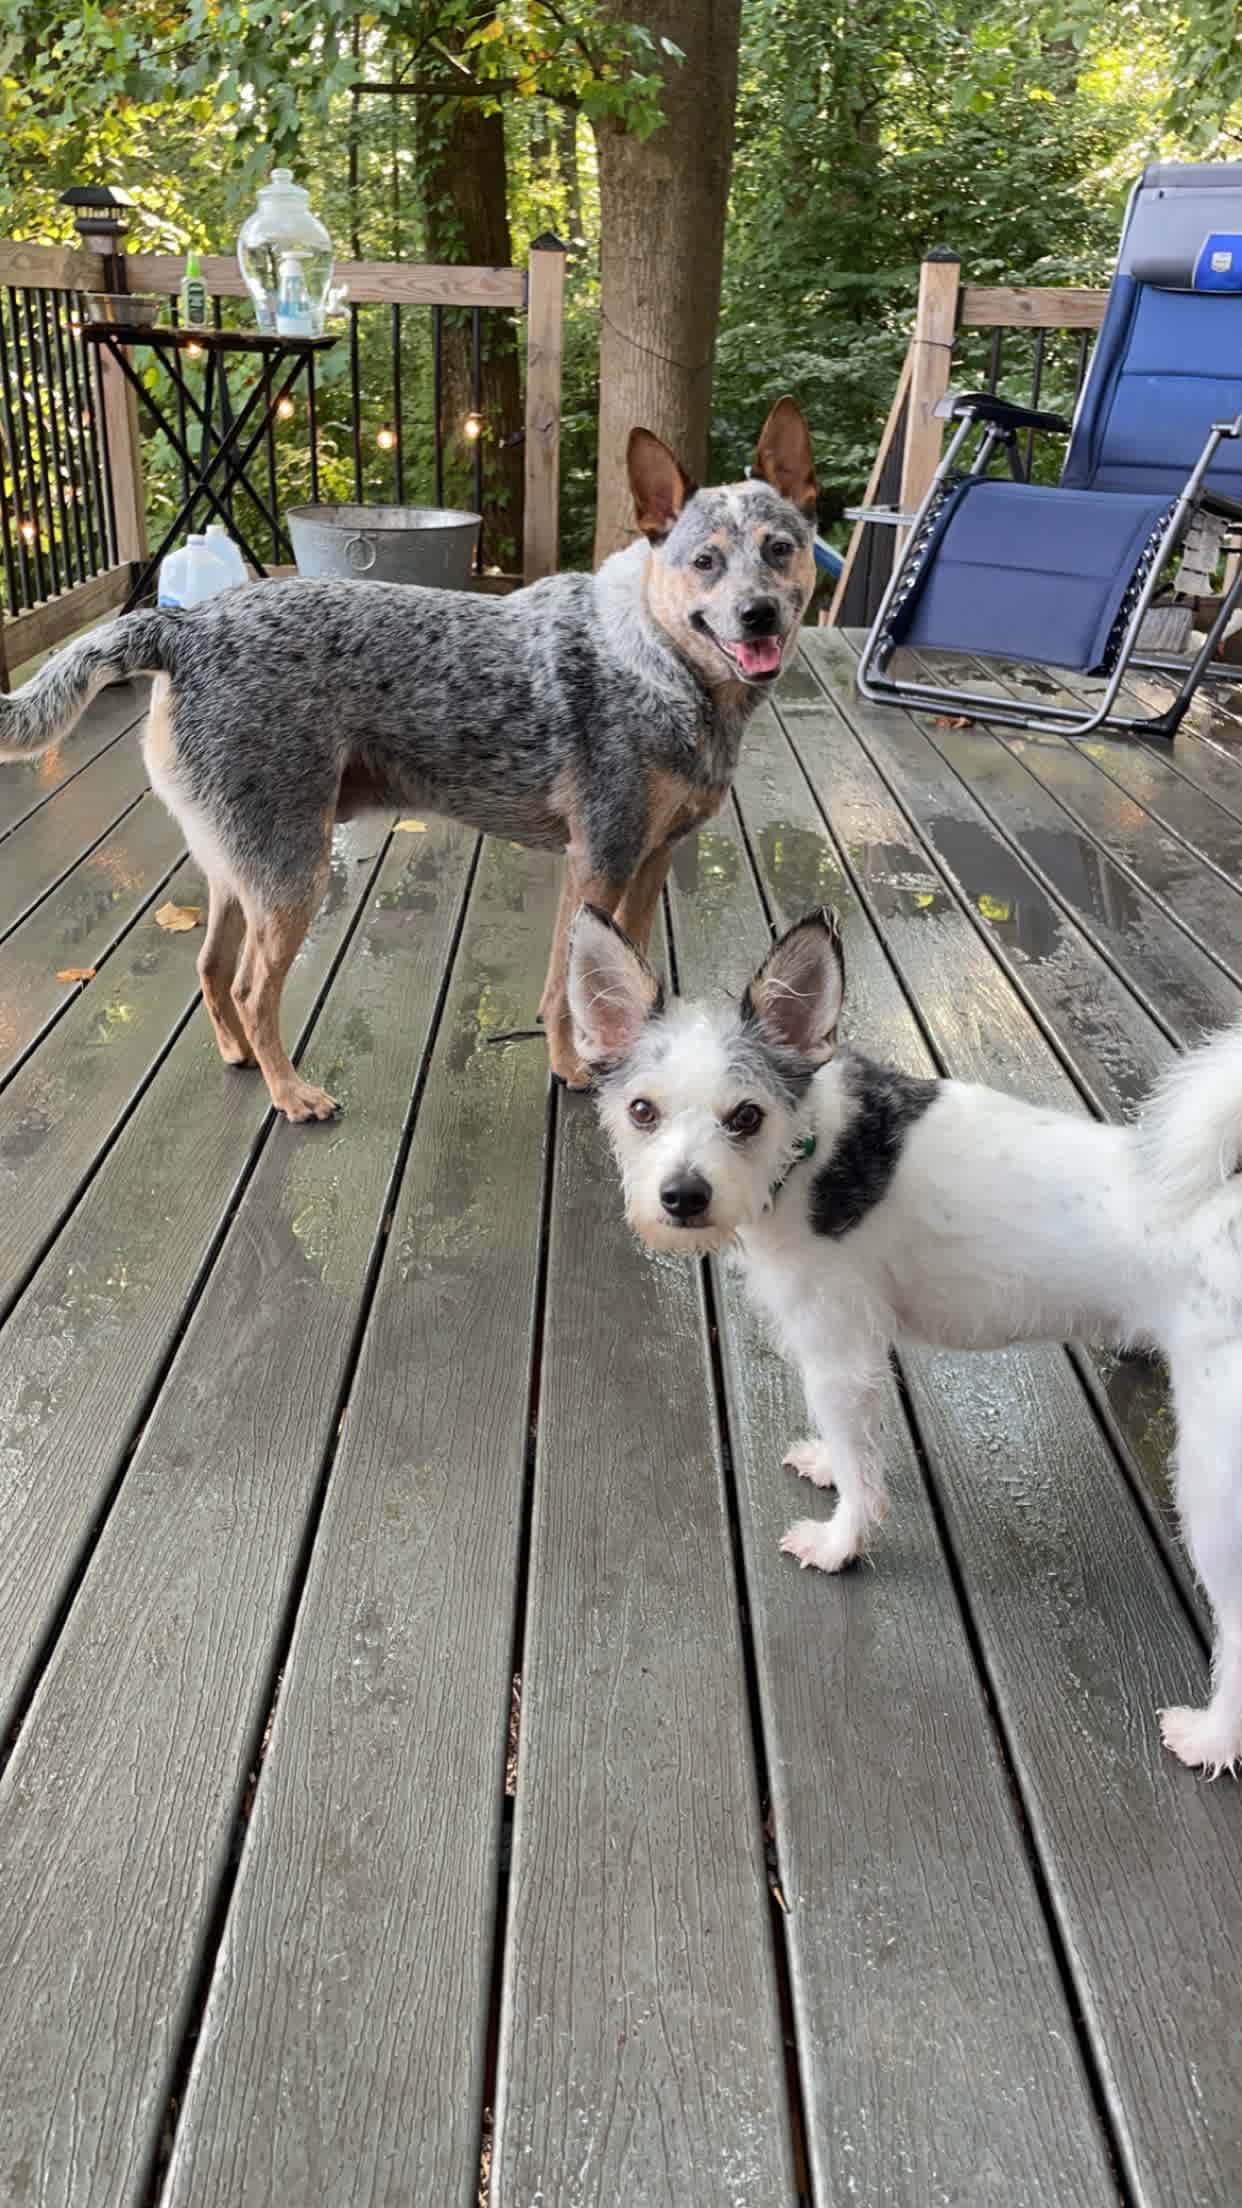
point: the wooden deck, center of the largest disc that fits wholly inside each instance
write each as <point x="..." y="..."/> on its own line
<point x="872" y="1891"/>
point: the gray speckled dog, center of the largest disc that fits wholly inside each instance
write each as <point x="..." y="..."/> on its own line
<point x="599" y="714"/>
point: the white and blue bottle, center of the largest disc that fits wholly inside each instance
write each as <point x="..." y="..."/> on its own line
<point x="294" y="316"/>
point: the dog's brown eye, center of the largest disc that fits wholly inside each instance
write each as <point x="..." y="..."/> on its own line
<point x="705" y="562"/>
<point x="745" y="1119"/>
<point x="778" y="550"/>
<point x="643" y="1113"/>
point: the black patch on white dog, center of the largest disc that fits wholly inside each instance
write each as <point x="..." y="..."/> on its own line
<point x="857" y="1175"/>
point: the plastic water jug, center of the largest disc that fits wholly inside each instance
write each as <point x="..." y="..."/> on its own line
<point x="193" y="573"/>
<point x="222" y="544"/>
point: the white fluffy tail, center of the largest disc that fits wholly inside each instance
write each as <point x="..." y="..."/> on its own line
<point x="1191" y="1132"/>
<point x="49" y="704"/>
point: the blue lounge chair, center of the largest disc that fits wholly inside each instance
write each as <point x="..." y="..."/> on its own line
<point x="1063" y="577"/>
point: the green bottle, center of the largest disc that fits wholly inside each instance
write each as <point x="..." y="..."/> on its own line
<point x="193" y="295"/>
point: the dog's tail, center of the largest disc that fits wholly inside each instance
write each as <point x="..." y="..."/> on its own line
<point x="47" y="705"/>
<point x="1191" y="1132"/>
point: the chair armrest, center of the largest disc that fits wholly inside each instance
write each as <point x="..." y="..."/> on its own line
<point x="984" y="406"/>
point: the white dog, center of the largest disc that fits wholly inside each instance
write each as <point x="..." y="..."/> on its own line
<point x="867" y="1208"/>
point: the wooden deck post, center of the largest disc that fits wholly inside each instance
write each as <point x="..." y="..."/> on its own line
<point x="545" y="317"/>
<point x="931" y="356"/>
<point x="101" y="217"/>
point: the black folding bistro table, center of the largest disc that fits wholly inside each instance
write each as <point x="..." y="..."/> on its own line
<point x="221" y="463"/>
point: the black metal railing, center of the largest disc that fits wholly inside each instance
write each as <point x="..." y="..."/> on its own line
<point x="57" y="526"/>
<point x="375" y="435"/>
<point x="1042" y="367"/>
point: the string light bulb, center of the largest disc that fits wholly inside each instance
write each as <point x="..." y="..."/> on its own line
<point x="27" y="532"/>
<point x="285" y="409"/>
<point x="195" y="352"/>
<point x="386" y="437"/>
<point x="473" y="427"/>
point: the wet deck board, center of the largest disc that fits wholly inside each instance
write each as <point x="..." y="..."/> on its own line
<point x="890" y="1796"/>
<point x="809" y="1891"/>
<point x="376" y="1995"/>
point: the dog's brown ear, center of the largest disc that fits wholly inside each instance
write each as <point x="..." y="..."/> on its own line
<point x="612" y="990"/>
<point x="797" y="994"/>
<point x="659" y="483"/>
<point x="783" y="456"/>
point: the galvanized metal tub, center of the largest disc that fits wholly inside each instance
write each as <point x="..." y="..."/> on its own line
<point x="432" y="545"/>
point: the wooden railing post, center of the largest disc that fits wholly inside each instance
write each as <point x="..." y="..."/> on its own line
<point x="931" y="354"/>
<point x="545" y="318"/>
<point x="101" y="217"/>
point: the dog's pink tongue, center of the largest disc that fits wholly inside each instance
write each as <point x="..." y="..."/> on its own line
<point x="763" y="657"/>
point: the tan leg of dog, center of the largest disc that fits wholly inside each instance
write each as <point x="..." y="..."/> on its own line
<point x="637" y="909"/>
<point x="272" y="944"/>
<point x="217" y="964"/>
<point x="578" y="888"/>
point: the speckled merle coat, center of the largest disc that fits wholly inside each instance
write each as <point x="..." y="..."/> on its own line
<point x="600" y="714"/>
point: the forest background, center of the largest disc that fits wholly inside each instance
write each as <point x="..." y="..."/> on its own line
<point x="745" y="188"/>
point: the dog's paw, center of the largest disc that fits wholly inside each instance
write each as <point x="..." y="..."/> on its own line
<point x="809" y="1459"/>
<point x="298" y="1100"/>
<point x="1207" y="1740"/>
<point x="828" y="1544"/>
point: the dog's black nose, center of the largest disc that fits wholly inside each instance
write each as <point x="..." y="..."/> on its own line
<point x="687" y="1197"/>
<point x="759" y="617"/>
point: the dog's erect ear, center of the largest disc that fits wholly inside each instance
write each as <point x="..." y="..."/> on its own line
<point x="612" y="990"/>
<point x="783" y="456"/>
<point x="797" y="994"/>
<point x="659" y="483"/>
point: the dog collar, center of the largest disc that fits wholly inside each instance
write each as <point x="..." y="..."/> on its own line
<point x="803" y="1148"/>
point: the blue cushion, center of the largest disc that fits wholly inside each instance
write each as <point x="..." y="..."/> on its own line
<point x="1021" y="571"/>
<point x="1170" y="365"/>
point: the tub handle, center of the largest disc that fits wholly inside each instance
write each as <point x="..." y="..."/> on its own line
<point x="363" y="559"/>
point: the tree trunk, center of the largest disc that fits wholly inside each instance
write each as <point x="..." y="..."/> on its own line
<point x="462" y="164"/>
<point x="662" y="223"/>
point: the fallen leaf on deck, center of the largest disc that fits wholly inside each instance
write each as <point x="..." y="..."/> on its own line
<point x="177" y="918"/>
<point x="953" y="720"/>
<point x="412" y="827"/>
<point x="76" y="973"/>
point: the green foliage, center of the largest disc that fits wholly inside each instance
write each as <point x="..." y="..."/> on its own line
<point x="867" y="139"/>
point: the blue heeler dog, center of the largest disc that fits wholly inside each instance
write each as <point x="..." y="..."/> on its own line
<point x="597" y="714"/>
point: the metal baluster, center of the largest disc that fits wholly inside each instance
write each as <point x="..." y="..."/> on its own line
<point x="226" y="396"/>
<point x="1037" y="377"/>
<point x="16" y="561"/>
<point x="313" y="430"/>
<point x="1084" y="354"/>
<point x="174" y="316"/>
<point x="29" y="497"/>
<point x="51" y="395"/>
<point x="437" y="398"/>
<point x="399" y="454"/>
<point x="270" y="441"/>
<point x="476" y="400"/>
<point x="354" y="401"/>
<point x="994" y="359"/>
<point x="100" y="414"/>
<point x="37" y="405"/>
<point x="76" y="492"/>
<point x="40" y="479"/>
<point x="91" y="490"/>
